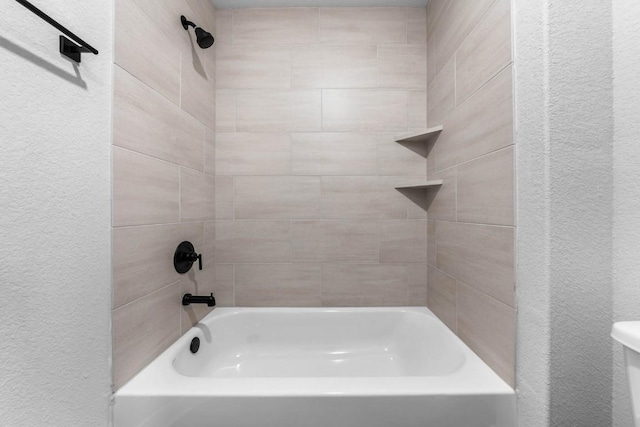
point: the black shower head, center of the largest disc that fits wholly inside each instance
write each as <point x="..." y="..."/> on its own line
<point x="204" y="38"/>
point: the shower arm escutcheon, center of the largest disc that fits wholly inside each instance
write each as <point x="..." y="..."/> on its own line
<point x="185" y="256"/>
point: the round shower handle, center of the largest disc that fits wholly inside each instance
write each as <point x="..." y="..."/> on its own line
<point x="184" y="257"/>
<point x="193" y="257"/>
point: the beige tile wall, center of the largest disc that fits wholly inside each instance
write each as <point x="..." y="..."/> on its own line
<point x="163" y="176"/>
<point x="471" y="227"/>
<point x="309" y="101"/>
<point x="284" y="166"/>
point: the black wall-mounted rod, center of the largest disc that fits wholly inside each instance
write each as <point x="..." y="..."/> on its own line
<point x="58" y="26"/>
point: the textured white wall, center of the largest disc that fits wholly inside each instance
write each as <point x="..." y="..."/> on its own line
<point x="531" y="63"/>
<point x="626" y="156"/>
<point x="54" y="218"/>
<point x="564" y="125"/>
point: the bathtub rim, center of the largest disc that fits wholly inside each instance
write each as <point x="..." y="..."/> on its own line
<point x="159" y="377"/>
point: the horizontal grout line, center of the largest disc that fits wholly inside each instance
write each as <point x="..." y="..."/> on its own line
<point x="474" y="223"/>
<point x="493" y="77"/>
<point x="178" y="106"/>
<point x="322" y="176"/>
<point x="474" y="159"/>
<point x="442" y="271"/>
<point x="327" y="263"/>
<point x="324" y="263"/>
<point x="321" y="219"/>
<point x="389" y="133"/>
<point x="318" y="89"/>
<point x="476" y="91"/>
<point x="146" y="295"/>
<point x="160" y="224"/>
<point x="255" y="45"/>
<point x="148" y="87"/>
<point x="149" y="156"/>
<point x="486" y="294"/>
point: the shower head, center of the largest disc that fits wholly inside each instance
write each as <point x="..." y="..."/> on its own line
<point x="203" y="38"/>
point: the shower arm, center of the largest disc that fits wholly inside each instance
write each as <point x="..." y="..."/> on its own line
<point x="186" y="23"/>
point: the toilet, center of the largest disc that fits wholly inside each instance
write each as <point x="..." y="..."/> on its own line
<point x="628" y="334"/>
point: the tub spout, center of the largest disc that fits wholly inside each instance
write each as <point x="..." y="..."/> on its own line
<point x="188" y="299"/>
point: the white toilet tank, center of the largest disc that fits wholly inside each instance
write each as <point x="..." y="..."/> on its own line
<point x="628" y="334"/>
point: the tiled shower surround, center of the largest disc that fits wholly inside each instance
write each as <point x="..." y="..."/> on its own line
<point x="163" y="175"/>
<point x="309" y="101"/>
<point x="274" y="153"/>
<point x="471" y="218"/>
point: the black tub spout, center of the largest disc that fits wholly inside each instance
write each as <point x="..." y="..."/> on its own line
<point x="188" y="299"/>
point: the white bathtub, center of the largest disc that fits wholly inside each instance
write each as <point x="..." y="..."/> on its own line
<point x="307" y="367"/>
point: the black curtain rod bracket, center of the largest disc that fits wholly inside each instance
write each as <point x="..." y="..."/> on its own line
<point x="68" y="48"/>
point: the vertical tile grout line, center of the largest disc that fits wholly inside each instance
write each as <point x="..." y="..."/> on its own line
<point x="406" y="25"/>
<point x="321" y="284"/>
<point x="233" y="25"/>
<point x="455" y="189"/>
<point x="180" y="85"/>
<point x="455" y="82"/>
<point x="457" y="298"/>
<point x="291" y="240"/>
<point x="234" y="93"/>
<point x="233" y="178"/>
<point x="322" y="128"/>
<point x="406" y="114"/>
<point x="233" y="282"/>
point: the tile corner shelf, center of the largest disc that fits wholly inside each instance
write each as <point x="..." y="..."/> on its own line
<point x="423" y="136"/>
<point x="423" y="186"/>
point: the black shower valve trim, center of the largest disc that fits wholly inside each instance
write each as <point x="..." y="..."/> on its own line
<point x="184" y="257"/>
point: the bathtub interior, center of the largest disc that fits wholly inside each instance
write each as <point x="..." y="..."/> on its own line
<point x="320" y="343"/>
<point x="277" y="367"/>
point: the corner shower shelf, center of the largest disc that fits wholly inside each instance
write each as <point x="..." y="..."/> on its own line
<point x="424" y="186"/>
<point x="423" y="136"/>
